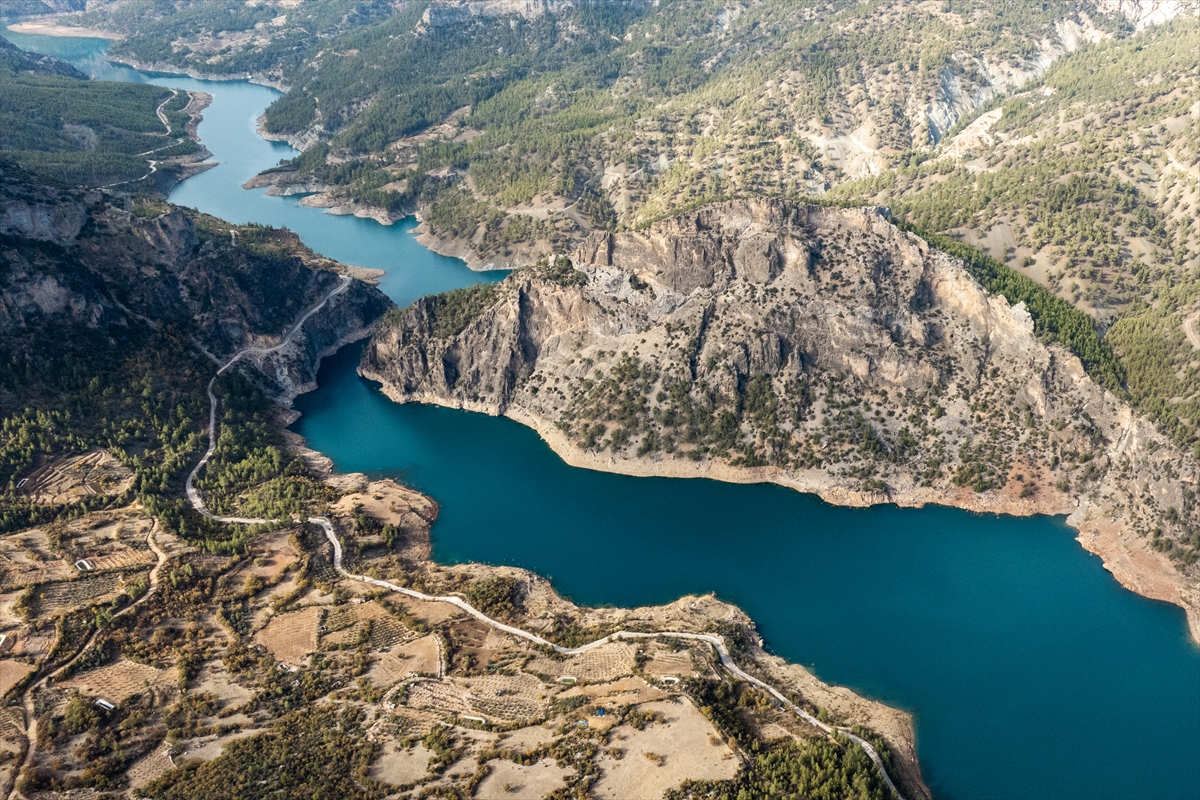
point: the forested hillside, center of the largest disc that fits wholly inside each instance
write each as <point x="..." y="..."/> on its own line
<point x="1089" y="184"/>
<point x="1059" y="137"/>
<point x="58" y="123"/>
<point x="96" y="355"/>
<point x="620" y="110"/>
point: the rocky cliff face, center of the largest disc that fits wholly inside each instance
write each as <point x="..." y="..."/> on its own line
<point x="457" y="12"/>
<point x="821" y="349"/>
<point x="94" y="261"/>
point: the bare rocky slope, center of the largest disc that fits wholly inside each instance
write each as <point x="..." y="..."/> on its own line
<point x="817" y="348"/>
<point x="96" y="261"/>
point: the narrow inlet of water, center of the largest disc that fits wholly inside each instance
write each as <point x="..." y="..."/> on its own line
<point x="1030" y="672"/>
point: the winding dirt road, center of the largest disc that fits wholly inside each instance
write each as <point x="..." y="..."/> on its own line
<point x="716" y="642"/>
<point x="193" y="495"/>
<point x="31" y="720"/>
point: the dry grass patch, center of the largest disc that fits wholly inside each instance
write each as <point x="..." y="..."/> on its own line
<point x="272" y="556"/>
<point x="399" y="766"/>
<point x="291" y="637"/>
<point x="520" y="782"/>
<point x="393" y="504"/>
<point x="524" y="740"/>
<point x="214" y="679"/>
<point x="206" y="748"/>
<point x="71" y="479"/>
<point x="420" y="656"/>
<point x="119" y="681"/>
<point x="663" y="755"/>
<point x="11" y="673"/>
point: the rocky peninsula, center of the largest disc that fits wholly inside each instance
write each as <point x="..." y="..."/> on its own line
<point x="817" y="348"/>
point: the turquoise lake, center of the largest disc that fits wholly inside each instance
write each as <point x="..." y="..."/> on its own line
<point x="1030" y="672"/>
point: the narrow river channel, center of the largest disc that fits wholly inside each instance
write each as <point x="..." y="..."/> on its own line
<point x="1031" y="673"/>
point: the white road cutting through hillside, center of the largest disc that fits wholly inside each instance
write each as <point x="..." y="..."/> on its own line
<point x="192" y="494"/>
<point x="716" y="642"/>
<point x="162" y="117"/>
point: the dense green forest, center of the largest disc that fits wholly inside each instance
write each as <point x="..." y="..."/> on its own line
<point x="81" y="132"/>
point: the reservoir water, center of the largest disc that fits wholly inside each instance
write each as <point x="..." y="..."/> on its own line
<point x="1030" y="672"/>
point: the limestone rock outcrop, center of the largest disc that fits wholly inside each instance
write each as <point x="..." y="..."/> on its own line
<point x="95" y="261"/>
<point x="819" y="348"/>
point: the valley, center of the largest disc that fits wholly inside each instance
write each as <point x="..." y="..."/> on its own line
<point x="751" y="341"/>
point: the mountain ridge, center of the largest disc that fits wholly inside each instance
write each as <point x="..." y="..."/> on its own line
<point x="819" y="348"/>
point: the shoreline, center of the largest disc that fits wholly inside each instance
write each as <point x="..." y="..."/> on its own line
<point x="62" y="31"/>
<point x="1137" y="569"/>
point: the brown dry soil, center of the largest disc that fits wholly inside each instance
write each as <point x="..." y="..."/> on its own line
<point x="202" y="661"/>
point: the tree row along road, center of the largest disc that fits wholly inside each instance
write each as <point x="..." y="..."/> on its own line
<point x="716" y="642"/>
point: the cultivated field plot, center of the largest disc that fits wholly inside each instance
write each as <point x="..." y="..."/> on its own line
<point x="626" y="691"/>
<point x="663" y="755"/>
<point x="291" y="637"/>
<point x="12" y="740"/>
<point x="399" y="766"/>
<point x="120" y="680"/>
<point x="515" y="697"/>
<point x="105" y="533"/>
<point x="429" y="612"/>
<point x="389" y="669"/>
<point x="420" y="656"/>
<point x="106" y="541"/>
<point x="663" y="661"/>
<point x="26" y="559"/>
<point x="70" y="479"/>
<point x="520" y="782"/>
<point x="125" y="560"/>
<point x="346" y="626"/>
<point x="90" y="590"/>
<point x="214" y="679"/>
<point x="600" y="665"/>
<point x="150" y="767"/>
<point x="438" y="696"/>
<point x="11" y="673"/>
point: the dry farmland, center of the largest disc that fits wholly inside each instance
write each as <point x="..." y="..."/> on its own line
<point x="119" y="681"/>
<point x="71" y="479"/>
<point x="11" y="673"/>
<point x="518" y="781"/>
<point x="49" y="598"/>
<point x="595" y="666"/>
<point x="291" y="637"/>
<point x="663" y="754"/>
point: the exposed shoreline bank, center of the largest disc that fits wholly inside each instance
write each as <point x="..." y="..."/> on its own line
<point x="1126" y="557"/>
<point x="63" y="31"/>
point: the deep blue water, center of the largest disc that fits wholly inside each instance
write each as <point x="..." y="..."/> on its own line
<point x="1031" y="673"/>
